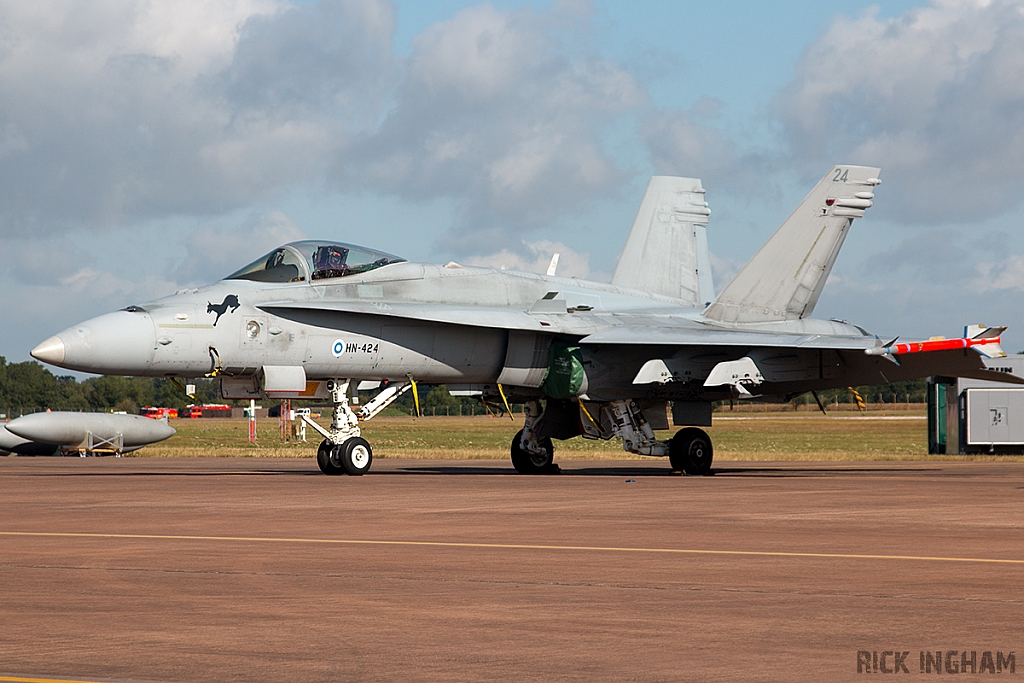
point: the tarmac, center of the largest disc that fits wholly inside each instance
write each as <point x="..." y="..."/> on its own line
<point x="139" y="569"/>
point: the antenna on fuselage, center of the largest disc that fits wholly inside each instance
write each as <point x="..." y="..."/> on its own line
<point x="553" y="266"/>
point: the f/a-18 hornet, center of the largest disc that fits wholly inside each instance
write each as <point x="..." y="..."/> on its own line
<point x="322" y="319"/>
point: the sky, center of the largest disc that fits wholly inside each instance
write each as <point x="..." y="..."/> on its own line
<point x="147" y="147"/>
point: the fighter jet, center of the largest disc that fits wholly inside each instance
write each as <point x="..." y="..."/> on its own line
<point x="323" y="319"/>
<point x="83" y="434"/>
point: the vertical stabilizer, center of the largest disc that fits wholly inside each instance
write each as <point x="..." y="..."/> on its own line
<point x="667" y="249"/>
<point x="785" y="278"/>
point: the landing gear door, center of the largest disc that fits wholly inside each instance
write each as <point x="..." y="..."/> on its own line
<point x="240" y="388"/>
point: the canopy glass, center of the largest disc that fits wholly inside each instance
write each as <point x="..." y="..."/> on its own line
<point x="315" y="260"/>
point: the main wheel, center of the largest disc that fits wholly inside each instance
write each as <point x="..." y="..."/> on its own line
<point x="327" y="457"/>
<point x="531" y="463"/>
<point x="690" y="451"/>
<point x="356" y="456"/>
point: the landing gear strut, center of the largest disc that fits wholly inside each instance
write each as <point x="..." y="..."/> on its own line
<point x="343" y="450"/>
<point x="530" y="454"/>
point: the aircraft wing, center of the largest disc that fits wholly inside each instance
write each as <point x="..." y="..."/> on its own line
<point x="873" y="369"/>
<point x="951" y="362"/>
<point x="649" y="330"/>
<point x="702" y="335"/>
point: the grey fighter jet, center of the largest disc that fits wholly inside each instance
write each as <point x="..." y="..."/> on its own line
<point x="322" y="319"/>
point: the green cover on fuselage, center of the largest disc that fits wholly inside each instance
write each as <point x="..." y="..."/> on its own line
<point x="565" y="371"/>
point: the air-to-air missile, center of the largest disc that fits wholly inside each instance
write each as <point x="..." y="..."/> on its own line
<point x="983" y="339"/>
<point x="82" y="433"/>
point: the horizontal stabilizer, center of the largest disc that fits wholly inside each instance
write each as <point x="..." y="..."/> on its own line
<point x="667" y="251"/>
<point x="785" y="278"/>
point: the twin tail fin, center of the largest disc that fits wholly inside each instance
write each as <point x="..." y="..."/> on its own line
<point x="784" y="279"/>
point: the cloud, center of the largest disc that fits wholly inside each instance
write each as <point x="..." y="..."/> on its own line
<point x="115" y="112"/>
<point x="326" y="60"/>
<point x="98" y="121"/>
<point x="933" y="256"/>
<point x="935" y="97"/>
<point x="118" y="112"/>
<point x="214" y="252"/>
<point x="493" y="112"/>
<point x="1004" y="274"/>
<point x="687" y="143"/>
<point x="535" y="257"/>
<point x="723" y="270"/>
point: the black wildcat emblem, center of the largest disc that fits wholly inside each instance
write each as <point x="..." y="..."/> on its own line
<point x="230" y="301"/>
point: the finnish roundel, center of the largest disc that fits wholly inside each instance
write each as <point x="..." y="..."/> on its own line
<point x="338" y="348"/>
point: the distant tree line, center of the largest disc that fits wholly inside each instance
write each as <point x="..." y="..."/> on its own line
<point x="911" y="390"/>
<point x="27" y="387"/>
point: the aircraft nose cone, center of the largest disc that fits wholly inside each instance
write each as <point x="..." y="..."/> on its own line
<point x="51" y="351"/>
<point x="120" y="343"/>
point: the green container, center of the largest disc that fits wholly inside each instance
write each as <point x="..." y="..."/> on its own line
<point x="565" y="371"/>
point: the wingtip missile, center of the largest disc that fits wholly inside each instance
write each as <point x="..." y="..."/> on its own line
<point x="981" y="338"/>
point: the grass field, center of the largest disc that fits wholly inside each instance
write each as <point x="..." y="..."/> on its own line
<point x="743" y="435"/>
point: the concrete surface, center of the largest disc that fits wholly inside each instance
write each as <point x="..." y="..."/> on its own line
<point x="259" y="570"/>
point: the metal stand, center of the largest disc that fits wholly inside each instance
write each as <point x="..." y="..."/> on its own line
<point x="252" y="421"/>
<point x="94" y="444"/>
<point x="286" y="419"/>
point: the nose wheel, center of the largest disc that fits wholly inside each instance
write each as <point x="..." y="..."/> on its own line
<point x="353" y="457"/>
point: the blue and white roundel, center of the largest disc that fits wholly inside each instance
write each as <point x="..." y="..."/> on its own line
<point x="338" y="348"/>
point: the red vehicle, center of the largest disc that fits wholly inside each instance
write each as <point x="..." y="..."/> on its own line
<point x="208" y="410"/>
<point x="158" y="413"/>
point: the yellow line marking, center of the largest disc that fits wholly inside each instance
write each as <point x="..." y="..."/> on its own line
<point x="26" y="679"/>
<point x="514" y="546"/>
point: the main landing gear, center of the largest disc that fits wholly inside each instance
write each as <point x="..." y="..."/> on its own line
<point x="532" y="454"/>
<point x="343" y="450"/>
<point x="689" y="451"/>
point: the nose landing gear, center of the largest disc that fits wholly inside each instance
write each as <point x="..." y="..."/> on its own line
<point x="343" y="450"/>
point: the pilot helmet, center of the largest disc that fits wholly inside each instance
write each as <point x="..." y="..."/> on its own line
<point x="330" y="257"/>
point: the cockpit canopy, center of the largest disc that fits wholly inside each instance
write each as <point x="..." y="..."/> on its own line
<point x="313" y="260"/>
